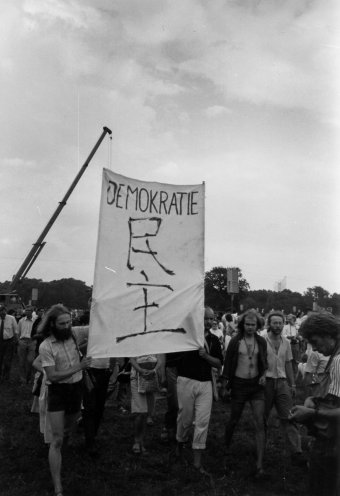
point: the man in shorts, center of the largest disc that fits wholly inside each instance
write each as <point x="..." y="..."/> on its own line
<point x="60" y="359"/>
<point x="244" y="373"/>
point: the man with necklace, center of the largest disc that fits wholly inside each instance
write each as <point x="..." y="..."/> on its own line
<point x="244" y="373"/>
<point x="280" y="383"/>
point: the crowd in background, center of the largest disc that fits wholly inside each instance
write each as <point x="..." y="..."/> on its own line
<point x="255" y="357"/>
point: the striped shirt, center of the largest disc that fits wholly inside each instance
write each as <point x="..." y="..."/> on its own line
<point x="334" y="372"/>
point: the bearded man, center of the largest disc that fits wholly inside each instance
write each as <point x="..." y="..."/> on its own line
<point x="61" y="362"/>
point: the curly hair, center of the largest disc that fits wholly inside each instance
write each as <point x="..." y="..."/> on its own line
<point x="320" y="324"/>
<point x="275" y="313"/>
<point x="48" y="321"/>
<point x="249" y="313"/>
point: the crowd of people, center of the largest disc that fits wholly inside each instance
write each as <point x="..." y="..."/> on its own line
<point x="251" y="358"/>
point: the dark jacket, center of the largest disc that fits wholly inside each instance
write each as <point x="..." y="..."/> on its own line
<point x="231" y="358"/>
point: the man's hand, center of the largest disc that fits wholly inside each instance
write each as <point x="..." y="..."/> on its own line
<point x="85" y="363"/>
<point x="301" y="414"/>
<point x="202" y="353"/>
<point x="262" y="380"/>
<point x="293" y="391"/>
<point x="225" y="390"/>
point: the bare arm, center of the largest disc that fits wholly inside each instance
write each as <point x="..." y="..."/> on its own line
<point x="37" y="364"/>
<point x="138" y="368"/>
<point x="54" y="375"/>
<point x="290" y="373"/>
<point x="214" y="362"/>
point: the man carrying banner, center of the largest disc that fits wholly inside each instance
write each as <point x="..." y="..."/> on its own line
<point x="60" y="359"/>
<point x="195" y="393"/>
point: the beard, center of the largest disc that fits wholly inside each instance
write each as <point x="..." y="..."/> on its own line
<point x="62" y="334"/>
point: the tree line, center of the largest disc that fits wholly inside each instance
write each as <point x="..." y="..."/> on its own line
<point x="217" y="296"/>
<point x="75" y="294"/>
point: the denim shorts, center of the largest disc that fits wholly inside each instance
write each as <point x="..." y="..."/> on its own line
<point x="64" y="397"/>
<point x="243" y="390"/>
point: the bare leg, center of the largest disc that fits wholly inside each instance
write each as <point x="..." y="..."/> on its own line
<point x="70" y="423"/>
<point x="54" y="455"/>
<point x="258" y="415"/>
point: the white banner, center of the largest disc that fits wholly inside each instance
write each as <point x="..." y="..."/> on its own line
<point x="148" y="293"/>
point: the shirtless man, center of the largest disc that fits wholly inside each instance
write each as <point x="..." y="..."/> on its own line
<point x="244" y="373"/>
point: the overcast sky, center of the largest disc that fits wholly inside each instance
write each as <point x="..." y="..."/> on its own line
<point x="241" y="94"/>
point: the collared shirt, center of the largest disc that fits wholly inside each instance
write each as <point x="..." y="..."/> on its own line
<point x="25" y="327"/>
<point x="10" y="326"/>
<point x="62" y="355"/>
<point x="277" y="360"/>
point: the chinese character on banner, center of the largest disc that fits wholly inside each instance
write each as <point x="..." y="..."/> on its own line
<point x="148" y="292"/>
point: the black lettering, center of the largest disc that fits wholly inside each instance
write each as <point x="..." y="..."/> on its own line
<point x="192" y="203"/>
<point x="140" y="200"/>
<point x="119" y="196"/>
<point x="173" y="203"/>
<point x="152" y="200"/>
<point x="163" y="201"/>
<point x="133" y="192"/>
<point x="180" y="201"/>
<point x="111" y="192"/>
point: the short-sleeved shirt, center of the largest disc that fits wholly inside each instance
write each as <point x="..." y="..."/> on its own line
<point x="25" y="327"/>
<point x="277" y="361"/>
<point x="195" y="367"/>
<point x="10" y="327"/>
<point x="62" y="355"/>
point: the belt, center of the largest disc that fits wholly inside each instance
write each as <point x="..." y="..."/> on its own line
<point x="276" y="378"/>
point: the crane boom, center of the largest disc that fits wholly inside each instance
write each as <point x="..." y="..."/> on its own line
<point x="39" y="244"/>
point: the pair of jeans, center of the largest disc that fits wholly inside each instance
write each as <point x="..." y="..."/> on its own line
<point x="94" y="403"/>
<point x="278" y="394"/>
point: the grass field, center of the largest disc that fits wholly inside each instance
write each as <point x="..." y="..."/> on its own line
<point x="24" y="467"/>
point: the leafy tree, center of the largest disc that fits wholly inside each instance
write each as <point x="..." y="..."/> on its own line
<point x="215" y="288"/>
<point x="72" y="292"/>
